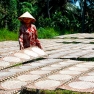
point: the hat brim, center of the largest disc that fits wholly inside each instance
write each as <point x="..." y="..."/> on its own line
<point x="22" y="18"/>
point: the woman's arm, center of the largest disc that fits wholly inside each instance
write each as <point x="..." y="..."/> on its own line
<point x="36" y="37"/>
<point x="21" y="39"/>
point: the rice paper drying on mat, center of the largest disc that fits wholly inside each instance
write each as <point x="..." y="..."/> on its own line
<point x="31" y="53"/>
<point x="22" y="55"/>
<point x="13" y="84"/>
<point x="45" y="84"/>
<point x="38" y="50"/>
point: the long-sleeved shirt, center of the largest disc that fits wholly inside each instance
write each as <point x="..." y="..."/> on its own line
<point x="28" y="37"/>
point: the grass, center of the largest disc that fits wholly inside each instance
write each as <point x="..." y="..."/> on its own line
<point x="7" y="35"/>
<point x="47" y="33"/>
<point x="43" y="33"/>
<point x="51" y="92"/>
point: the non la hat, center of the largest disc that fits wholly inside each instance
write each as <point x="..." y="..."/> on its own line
<point x="27" y="15"/>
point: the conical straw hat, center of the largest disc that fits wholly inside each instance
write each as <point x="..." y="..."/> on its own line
<point x="27" y="15"/>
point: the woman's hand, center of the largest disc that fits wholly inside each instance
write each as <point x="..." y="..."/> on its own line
<point x="21" y="48"/>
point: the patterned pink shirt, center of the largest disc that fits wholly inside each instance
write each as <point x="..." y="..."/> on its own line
<point x="28" y="37"/>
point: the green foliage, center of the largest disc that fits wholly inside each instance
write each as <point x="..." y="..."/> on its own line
<point x="72" y="8"/>
<point x="47" y="32"/>
<point x="60" y="20"/>
<point x="7" y="35"/>
<point x="12" y="19"/>
<point x="25" y="6"/>
<point x="55" y="13"/>
<point x="15" y="25"/>
<point x="44" y="22"/>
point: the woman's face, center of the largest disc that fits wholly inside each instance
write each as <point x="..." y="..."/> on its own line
<point x="27" y="20"/>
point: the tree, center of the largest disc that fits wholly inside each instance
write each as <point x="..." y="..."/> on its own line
<point x="3" y="13"/>
<point x="12" y="15"/>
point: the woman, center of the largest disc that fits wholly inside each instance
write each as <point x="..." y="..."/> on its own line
<point x="27" y="32"/>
